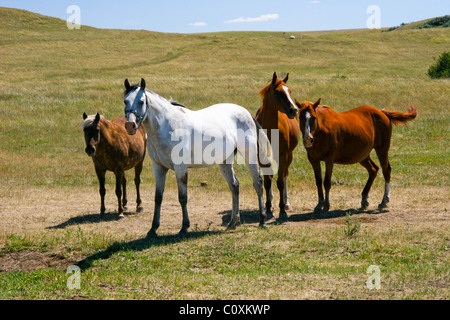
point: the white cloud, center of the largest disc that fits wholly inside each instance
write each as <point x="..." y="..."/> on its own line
<point x="315" y="2"/>
<point x="264" y="17"/>
<point x="198" y="24"/>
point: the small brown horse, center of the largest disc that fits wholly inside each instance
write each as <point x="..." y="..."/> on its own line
<point x="113" y="149"/>
<point x="348" y="138"/>
<point x="279" y="112"/>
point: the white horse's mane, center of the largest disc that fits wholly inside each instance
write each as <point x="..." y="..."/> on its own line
<point x="169" y="101"/>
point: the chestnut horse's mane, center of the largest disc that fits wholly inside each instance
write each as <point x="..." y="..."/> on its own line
<point x="264" y="90"/>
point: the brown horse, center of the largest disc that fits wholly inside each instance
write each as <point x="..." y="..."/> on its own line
<point x="278" y="112"/>
<point x="348" y="138"/>
<point x="113" y="149"/>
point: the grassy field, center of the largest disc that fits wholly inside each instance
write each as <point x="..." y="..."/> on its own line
<point x="50" y="75"/>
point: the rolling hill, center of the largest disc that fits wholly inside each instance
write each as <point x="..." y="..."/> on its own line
<point x="50" y="75"/>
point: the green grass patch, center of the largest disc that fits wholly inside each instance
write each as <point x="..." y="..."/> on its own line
<point x="279" y="263"/>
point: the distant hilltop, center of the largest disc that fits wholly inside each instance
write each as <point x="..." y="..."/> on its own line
<point x="439" y="22"/>
<point x="18" y="19"/>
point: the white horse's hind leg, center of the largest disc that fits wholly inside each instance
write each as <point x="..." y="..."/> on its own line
<point x="159" y="173"/>
<point x="258" y="185"/>
<point x="233" y="184"/>
<point x="181" y="174"/>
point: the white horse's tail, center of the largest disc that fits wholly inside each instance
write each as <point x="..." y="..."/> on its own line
<point x="265" y="152"/>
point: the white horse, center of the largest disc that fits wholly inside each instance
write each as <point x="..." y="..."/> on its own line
<point x="179" y="138"/>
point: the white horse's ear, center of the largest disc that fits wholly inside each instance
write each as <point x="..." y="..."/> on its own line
<point x="143" y="84"/>
<point x="274" y="78"/>
<point x="127" y="84"/>
<point x="286" y="78"/>
<point x="84" y="115"/>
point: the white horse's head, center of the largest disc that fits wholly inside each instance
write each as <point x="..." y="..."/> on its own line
<point x="136" y="105"/>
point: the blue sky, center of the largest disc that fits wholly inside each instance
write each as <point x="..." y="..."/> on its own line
<point x="189" y="16"/>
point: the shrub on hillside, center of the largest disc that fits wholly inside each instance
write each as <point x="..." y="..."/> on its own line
<point x="441" y="69"/>
<point x="443" y="22"/>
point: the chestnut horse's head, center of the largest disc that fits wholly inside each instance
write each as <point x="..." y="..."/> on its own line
<point x="308" y="121"/>
<point x="279" y="95"/>
<point x="91" y="132"/>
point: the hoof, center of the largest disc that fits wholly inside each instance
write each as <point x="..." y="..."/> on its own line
<point x="231" y="226"/>
<point x="287" y="206"/>
<point x="121" y="217"/>
<point x="233" y="223"/>
<point x="319" y="208"/>
<point x="262" y="226"/>
<point x="283" y="216"/>
<point x="382" y="206"/>
<point x="364" y="204"/>
<point x="183" y="232"/>
<point x="152" y="234"/>
<point x="139" y="209"/>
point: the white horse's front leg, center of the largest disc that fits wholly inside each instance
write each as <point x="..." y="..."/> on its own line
<point x="181" y="174"/>
<point x="159" y="173"/>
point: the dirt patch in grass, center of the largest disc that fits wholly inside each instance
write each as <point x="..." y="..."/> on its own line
<point x="31" y="260"/>
<point x="33" y="211"/>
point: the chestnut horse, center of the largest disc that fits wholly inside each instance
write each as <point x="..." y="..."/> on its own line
<point x="279" y="112"/>
<point x="348" y="138"/>
<point x="112" y="149"/>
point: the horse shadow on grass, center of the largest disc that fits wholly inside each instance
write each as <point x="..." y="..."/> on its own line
<point x="141" y="245"/>
<point x="252" y="216"/>
<point x="332" y="214"/>
<point x="246" y="216"/>
<point x="91" y="218"/>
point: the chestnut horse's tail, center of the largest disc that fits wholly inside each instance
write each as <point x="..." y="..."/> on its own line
<point x="401" y="117"/>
